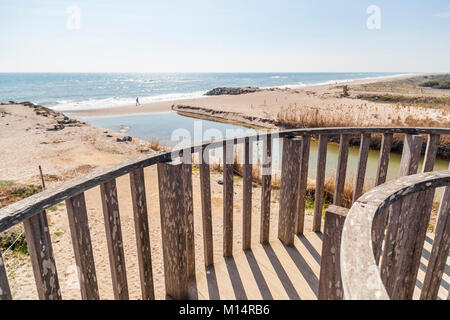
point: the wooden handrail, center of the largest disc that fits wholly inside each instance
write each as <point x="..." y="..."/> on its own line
<point x="360" y="273"/>
<point x="21" y="210"/>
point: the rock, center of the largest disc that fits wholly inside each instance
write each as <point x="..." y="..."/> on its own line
<point x="109" y="136"/>
<point x="231" y="91"/>
<point x="219" y="180"/>
<point x="124" y="139"/>
<point x="56" y="127"/>
<point x="67" y="121"/>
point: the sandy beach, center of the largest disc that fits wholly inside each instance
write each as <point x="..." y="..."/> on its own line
<point x="235" y="102"/>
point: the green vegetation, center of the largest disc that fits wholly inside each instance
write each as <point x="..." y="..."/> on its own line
<point x="55" y="207"/>
<point x="13" y="239"/>
<point x="425" y="101"/>
<point x="438" y="82"/>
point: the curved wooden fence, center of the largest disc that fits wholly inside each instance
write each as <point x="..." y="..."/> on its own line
<point x="176" y="207"/>
<point x="407" y="199"/>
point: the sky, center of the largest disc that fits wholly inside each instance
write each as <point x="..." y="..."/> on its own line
<point x="224" y="36"/>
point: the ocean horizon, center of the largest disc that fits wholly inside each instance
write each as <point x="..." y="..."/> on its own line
<point x="79" y="91"/>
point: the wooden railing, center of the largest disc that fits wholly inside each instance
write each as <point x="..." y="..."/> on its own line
<point x="176" y="207"/>
<point x="409" y="201"/>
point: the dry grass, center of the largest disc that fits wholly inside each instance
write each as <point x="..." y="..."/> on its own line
<point x="361" y="115"/>
<point x="156" y="146"/>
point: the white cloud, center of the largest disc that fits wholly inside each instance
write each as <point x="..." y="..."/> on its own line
<point x="443" y="14"/>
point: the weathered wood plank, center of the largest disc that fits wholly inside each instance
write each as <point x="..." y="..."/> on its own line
<point x="205" y="193"/>
<point x="189" y="213"/>
<point x="413" y="233"/>
<point x="42" y="259"/>
<point x="378" y="233"/>
<point x="383" y="162"/>
<point x="439" y="251"/>
<point x="171" y="201"/>
<point x="266" y="189"/>
<point x="228" y="168"/>
<point x="82" y="247"/>
<point x="398" y="215"/>
<point x="410" y="155"/>
<point x="362" y="165"/>
<point x="289" y="190"/>
<point x="412" y="244"/>
<point x="341" y="169"/>
<point x="330" y="283"/>
<point x="5" y="291"/>
<point x="320" y="180"/>
<point x="304" y="161"/>
<point x="110" y="204"/>
<point x="247" y="195"/>
<point x="431" y="152"/>
<point x="381" y="220"/>
<point x="142" y="231"/>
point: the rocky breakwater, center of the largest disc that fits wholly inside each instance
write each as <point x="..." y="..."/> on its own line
<point x="61" y="121"/>
<point x="231" y="91"/>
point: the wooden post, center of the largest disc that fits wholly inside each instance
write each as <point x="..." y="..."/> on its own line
<point x="304" y="159"/>
<point x="330" y="283"/>
<point x="341" y="169"/>
<point x="412" y="147"/>
<point x="142" y="231"/>
<point x="439" y="251"/>
<point x="205" y="193"/>
<point x="42" y="259"/>
<point x="383" y="162"/>
<point x="320" y="180"/>
<point x="114" y="240"/>
<point x="362" y="165"/>
<point x="381" y="220"/>
<point x="431" y="152"/>
<point x="82" y="247"/>
<point x="412" y="245"/>
<point x="266" y="189"/>
<point x="411" y="233"/>
<point x="189" y="213"/>
<point x="228" y="168"/>
<point x="42" y="178"/>
<point x="289" y="190"/>
<point x="399" y="213"/>
<point x="5" y="291"/>
<point x="171" y="201"/>
<point x="247" y="195"/>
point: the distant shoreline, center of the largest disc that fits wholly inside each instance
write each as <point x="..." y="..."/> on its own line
<point x="166" y="106"/>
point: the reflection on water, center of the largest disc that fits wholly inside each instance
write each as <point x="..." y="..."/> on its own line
<point x="165" y="126"/>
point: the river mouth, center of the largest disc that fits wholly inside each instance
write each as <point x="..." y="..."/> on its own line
<point x="167" y="126"/>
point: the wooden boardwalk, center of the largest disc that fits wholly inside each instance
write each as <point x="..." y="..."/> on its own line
<point x="280" y="272"/>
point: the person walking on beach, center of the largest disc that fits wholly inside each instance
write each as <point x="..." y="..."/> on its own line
<point x="137" y="102"/>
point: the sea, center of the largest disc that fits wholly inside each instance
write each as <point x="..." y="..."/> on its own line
<point x="80" y="91"/>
